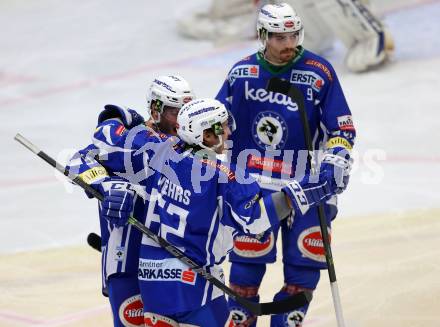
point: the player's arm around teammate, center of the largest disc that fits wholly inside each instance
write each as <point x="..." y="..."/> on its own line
<point x="201" y="216"/>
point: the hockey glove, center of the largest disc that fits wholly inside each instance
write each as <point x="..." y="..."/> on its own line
<point x="305" y="194"/>
<point x="337" y="163"/>
<point x="129" y="117"/>
<point x="118" y="202"/>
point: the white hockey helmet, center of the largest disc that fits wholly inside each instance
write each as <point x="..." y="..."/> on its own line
<point x="278" y="18"/>
<point x="168" y="90"/>
<point x="199" y="115"/>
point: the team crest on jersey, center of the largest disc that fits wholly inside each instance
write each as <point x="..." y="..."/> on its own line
<point x="237" y="316"/>
<point x="294" y="318"/>
<point x="310" y="244"/>
<point x="269" y="130"/>
<point x="120" y="253"/>
<point x="306" y="77"/>
<point x="243" y="71"/>
<point x="131" y="312"/>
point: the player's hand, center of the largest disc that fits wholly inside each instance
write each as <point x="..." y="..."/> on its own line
<point x="310" y="192"/>
<point x="129" y="117"/>
<point x="118" y="202"/>
<point x="336" y="164"/>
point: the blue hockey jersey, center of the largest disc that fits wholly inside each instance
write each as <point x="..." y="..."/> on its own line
<point x="195" y="203"/>
<point x="269" y="138"/>
<point x="103" y="160"/>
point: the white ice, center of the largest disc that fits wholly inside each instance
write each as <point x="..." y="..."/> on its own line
<point x="61" y="61"/>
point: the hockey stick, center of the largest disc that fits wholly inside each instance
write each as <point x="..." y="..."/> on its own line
<point x="284" y="87"/>
<point x="291" y="303"/>
<point x="94" y="240"/>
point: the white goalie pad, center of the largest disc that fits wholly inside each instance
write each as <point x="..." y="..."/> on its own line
<point x="364" y="35"/>
<point x="226" y="21"/>
<point x="317" y="36"/>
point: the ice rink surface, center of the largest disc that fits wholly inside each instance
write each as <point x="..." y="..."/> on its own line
<point x="61" y="61"/>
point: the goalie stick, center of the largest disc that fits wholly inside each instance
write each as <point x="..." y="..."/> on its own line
<point x="283" y="86"/>
<point x="291" y="303"/>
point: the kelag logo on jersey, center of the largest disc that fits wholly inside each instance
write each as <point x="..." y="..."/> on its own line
<point x="306" y="77"/>
<point x="269" y="130"/>
<point x="262" y="95"/>
<point x="166" y="270"/>
<point x="243" y="71"/>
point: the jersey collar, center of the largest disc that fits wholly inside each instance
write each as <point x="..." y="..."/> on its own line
<point x="274" y="69"/>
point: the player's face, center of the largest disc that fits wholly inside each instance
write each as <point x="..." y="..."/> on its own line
<point x="210" y="139"/>
<point x="280" y="47"/>
<point x="168" y="120"/>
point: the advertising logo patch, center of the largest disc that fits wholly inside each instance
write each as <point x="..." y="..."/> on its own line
<point x="262" y="95"/>
<point x="306" y="77"/>
<point x="345" y="123"/>
<point x="310" y="243"/>
<point x="167" y="270"/>
<point x="250" y="247"/>
<point x="120" y="130"/>
<point x="131" y="311"/>
<point x="321" y="66"/>
<point x="243" y="71"/>
<point x="289" y="24"/>
<point x="269" y="130"/>
<point x="269" y="164"/>
<point x="93" y="175"/>
<point x="187" y="99"/>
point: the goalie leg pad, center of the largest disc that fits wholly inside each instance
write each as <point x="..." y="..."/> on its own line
<point x="318" y="36"/>
<point x="364" y="35"/>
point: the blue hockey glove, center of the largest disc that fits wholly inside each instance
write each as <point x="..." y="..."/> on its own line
<point x="129" y="117"/>
<point x="337" y="163"/>
<point x="306" y="194"/>
<point x="118" y="202"/>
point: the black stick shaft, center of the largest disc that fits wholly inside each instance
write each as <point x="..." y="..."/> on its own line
<point x="284" y="87"/>
<point x="297" y="94"/>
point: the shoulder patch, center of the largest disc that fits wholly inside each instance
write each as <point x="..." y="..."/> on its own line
<point x="321" y="66"/>
<point x="243" y="71"/>
<point x="221" y="167"/>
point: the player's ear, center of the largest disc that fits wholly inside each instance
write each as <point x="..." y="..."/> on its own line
<point x="207" y="137"/>
<point x="155" y="114"/>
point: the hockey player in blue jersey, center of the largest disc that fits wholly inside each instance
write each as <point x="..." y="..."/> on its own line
<point x="120" y="244"/>
<point x="198" y="204"/>
<point x="271" y="136"/>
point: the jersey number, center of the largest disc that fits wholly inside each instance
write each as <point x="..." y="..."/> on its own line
<point x="157" y="203"/>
